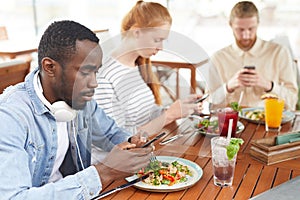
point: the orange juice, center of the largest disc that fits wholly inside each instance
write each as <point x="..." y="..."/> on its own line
<point x="273" y="112"/>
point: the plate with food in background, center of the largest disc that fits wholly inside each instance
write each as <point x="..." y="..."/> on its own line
<point x="257" y="115"/>
<point x="210" y="126"/>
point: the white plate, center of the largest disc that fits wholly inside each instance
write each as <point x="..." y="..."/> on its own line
<point x="286" y="115"/>
<point x="194" y="168"/>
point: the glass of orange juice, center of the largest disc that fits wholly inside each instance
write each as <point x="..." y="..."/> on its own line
<point x="273" y="113"/>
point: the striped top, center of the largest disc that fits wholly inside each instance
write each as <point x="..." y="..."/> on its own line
<point x="123" y="95"/>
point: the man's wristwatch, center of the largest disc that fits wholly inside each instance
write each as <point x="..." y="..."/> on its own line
<point x="272" y="85"/>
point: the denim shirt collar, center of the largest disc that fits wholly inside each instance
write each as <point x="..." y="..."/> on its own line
<point x="38" y="105"/>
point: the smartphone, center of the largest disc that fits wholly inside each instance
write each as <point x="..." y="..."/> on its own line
<point x="202" y="98"/>
<point x="153" y="140"/>
<point x="249" y="67"/>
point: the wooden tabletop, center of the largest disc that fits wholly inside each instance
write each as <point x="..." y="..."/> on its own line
<point x="251" y="177"/>
<point x="14" y="48"/>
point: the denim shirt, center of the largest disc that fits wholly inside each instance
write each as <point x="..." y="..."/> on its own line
<point x="28" y="144"/>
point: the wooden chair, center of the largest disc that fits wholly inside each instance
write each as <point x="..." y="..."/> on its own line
<point x="100" y="31"/>
<point x="13" y="72"/>
<point x="26" y="55"/>
<point x="163" y="74"/>
<point x="102" y="34"/>
<point x="107" y="42"/>
<point x="298" y="82"/>
<point x="3" y="36"/>
<point x="3" y="33"/>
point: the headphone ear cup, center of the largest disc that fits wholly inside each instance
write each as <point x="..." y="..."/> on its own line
<point x="62" y="111"/>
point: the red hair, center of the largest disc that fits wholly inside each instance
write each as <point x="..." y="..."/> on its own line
<point x="147" y="15"/>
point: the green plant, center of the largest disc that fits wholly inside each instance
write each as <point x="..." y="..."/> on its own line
<point x="233" y="147"/>
<point x="235" y="106"/>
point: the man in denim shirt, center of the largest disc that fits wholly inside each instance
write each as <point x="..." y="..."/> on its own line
<point x="49" y="122"/>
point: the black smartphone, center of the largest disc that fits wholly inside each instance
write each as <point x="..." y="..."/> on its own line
<point x="249" y="67"/>
<point x="153" y="140"/>
<point x="202" y="98"/>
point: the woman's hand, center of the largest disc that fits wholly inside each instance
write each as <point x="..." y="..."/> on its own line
<point x="183" y="108"/>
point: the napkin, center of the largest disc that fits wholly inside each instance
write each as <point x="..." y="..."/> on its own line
<point x="287" y="138"/>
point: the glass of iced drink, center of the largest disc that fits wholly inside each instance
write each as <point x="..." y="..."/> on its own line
<point x="273" y="113"/>
<point x="223" y="168"/>
<point x="224" y="115"/>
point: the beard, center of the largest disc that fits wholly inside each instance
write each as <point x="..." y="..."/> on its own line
<point x="246" y="44"/>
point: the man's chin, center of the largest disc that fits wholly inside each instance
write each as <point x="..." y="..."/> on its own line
<point x="246" y="45"/>
<point x="79" y="106"/>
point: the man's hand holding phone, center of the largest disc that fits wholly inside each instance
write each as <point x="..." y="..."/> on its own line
<point x="248" y="77"/>
<point x="248" y="69"/>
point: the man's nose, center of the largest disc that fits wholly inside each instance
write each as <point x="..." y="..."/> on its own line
<point x="246" y="34"/>
<point x="93" y="82"/>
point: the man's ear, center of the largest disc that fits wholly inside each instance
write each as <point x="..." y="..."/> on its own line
<point x="48" y="66"/>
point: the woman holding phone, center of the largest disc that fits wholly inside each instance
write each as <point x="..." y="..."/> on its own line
<point x="128" y="90"/>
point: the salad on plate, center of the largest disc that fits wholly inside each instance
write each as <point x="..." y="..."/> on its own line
<point x="165" y="173"/>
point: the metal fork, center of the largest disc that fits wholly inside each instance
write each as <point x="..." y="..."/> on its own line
<point x="153" y="157"/>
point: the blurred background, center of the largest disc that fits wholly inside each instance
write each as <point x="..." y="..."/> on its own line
<point x="203" y="21"/>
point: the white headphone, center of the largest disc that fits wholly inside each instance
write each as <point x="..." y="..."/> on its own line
<point x="60" y="109"/>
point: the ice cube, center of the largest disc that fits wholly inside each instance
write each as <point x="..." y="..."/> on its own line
<point x="227" y="109"/>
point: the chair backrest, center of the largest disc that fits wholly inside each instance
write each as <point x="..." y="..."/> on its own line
<point x="3" y="33"/>
<point x="13" y="72"/>
<point x="284" y="40"/>
<point x="102" y="34"/>
<point x="298" y="82"/>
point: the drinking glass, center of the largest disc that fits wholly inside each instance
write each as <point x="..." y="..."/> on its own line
<point x="224" y="115"/>
<point x="223" y="169"/>
<point x="273" y="114"/>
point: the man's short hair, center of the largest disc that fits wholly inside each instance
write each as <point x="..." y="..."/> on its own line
<point x="59" y="40"/>
<point x="244" y="9"/>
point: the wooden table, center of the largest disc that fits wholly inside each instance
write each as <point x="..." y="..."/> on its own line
<point x="251" y="176"/>
<point x="13" y="48"/>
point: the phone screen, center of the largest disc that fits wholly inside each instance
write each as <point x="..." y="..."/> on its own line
<point x="249" y="67"/>
<point x="153" y="140"/>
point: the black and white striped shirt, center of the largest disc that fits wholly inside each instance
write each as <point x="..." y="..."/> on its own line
<point x="123" y="95"/>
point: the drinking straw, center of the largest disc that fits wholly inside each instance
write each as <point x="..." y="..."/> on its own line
<point x="229" y="129"/>
<point x="241" y="97"/>
<point x="267" y="127"/>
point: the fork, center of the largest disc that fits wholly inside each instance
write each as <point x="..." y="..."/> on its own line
<point x="153" y="157"/>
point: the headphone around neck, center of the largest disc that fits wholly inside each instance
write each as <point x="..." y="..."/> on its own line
<point x="62" y="111"/>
